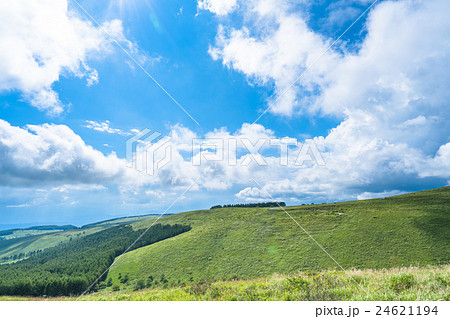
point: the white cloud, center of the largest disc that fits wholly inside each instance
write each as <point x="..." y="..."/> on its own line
<point x="369" y="195"/>
<point x="18" y="205"/>
<point x="393" y="68"/>
<point x="53" y="155"/>
<point x="391" y="94"/>
<point x="253" y="194"/>
<point x="355" y="165"/>
<point x="48" y="41"/>
<point x="273" y="50"/>
<point x="66" y="195"/>
<point x="78" y="187"/>
<point x="106" y="128"/>
<point x="438" y="165"/>
<point x="218" y="7"/>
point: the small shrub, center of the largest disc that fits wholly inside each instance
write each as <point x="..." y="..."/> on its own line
<point x="215" y="293"/>
<point x="199" y="288"/>
<point x="441" y="280"/>
<point x="139" y="284"/>
<point x="163" y="279"/>
<point x="115" y="288"/>
<point x="296" y="283"/>
<point x="322" y="288"/>
<point x="101" y="286"/>
<point x="251" y="293"/>
<point x="149" y="281"/>
<point x="124" y="279"/>
<point x="402" y="282"/>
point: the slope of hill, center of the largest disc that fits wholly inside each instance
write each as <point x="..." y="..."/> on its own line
<point x="71" y="268"/>
<point x="243" y="243"/>
<point x="19" y="248"/>
<point x="31" y="231"/>
<point x="412" y="283"/>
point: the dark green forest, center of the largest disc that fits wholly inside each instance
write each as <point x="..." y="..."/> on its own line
<point x="70" y="268"/>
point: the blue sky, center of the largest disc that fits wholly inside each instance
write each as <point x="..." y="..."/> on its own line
<point x="375" y="104"/>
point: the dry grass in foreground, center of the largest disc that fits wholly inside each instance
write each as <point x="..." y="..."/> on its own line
<point x="413" y="283"/>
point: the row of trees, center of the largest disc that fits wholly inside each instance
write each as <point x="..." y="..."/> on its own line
<point x="266" y="204"/>
<point x="70" y="268"/>
<point x="20" y="256"/>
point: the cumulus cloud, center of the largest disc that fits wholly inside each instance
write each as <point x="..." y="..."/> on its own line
<point x="48" y="41"/>
<point x="391" y="93"/>
<point x="274" y="49"/>
<point x="394" y="64"/>
<point x="353" y="167"/>
<point x="53" y="155"/>
<point x="218" y="7"/>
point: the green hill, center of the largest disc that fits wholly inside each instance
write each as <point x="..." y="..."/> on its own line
<point x="242" y="248"/>
<point x="243" y="243"/>
<point x="71" y="268"/>
<point x="409" y="283"/>
<point x="17" y="244"/>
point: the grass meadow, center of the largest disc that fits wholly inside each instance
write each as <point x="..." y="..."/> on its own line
<point x="412" y="283"/>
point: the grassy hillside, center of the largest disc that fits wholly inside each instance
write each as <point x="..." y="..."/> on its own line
<point x="412" y="283"/>
<point x="244" y="243"/>
<point x="23" y="246"/>
<point x="70" y="268"/>
<point x="426" y="283"/>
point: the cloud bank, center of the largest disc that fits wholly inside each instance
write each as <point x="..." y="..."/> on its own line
<point x="43" y="155"/>
<point x="390" y="93"/>
<point x="54" y="156"/>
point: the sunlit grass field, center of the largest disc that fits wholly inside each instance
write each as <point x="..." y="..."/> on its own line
<point x="413" y="283"/>
<point x="244" y="243"/>
<point x="395" y="248"/>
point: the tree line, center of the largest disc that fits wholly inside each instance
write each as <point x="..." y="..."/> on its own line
<point x="70" y="268"/>
<point x="266" y="204"/>
<point x="20" y="255"/>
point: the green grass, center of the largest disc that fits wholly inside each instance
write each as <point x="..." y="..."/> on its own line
<point x="244" y="243"/>
<point x="426" y="283"/>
